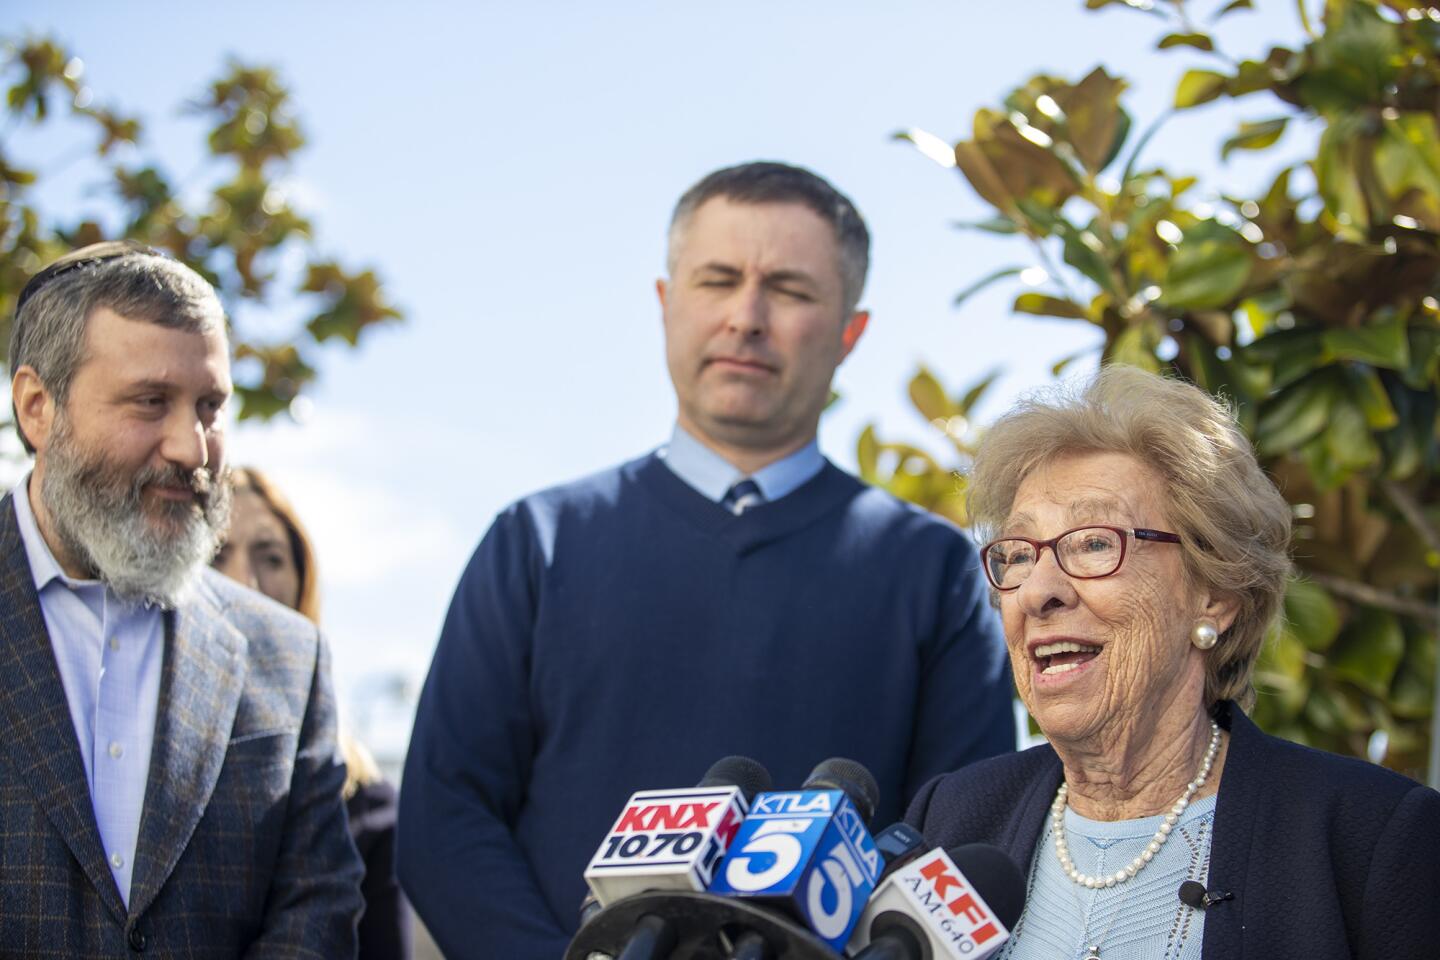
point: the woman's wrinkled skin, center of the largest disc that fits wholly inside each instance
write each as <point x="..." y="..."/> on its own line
<point x="1130" y="724"/>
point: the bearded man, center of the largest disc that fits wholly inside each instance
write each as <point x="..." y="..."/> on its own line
<point x="169" y="780"/>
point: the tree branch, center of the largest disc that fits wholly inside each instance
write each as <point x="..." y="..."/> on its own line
<point x="1413" y="513"/>
<point x="1366" y="594"/>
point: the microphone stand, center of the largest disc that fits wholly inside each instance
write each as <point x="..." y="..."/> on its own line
<point x="696" y="922"/>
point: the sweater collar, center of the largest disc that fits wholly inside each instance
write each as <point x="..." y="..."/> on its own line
<point x="712" y="475"/>
<point x="826" y="491"/>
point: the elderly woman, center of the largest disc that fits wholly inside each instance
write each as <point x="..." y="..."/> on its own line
<point x="1138" y="557"/>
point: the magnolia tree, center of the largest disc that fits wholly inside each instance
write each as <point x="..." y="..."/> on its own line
<point x="1310" y="306"/>
<point x="231" y="220"/>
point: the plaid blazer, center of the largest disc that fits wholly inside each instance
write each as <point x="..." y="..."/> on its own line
<point x="243" y="847"/>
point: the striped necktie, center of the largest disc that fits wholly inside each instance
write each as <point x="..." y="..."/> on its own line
<point x="742" y="496"/>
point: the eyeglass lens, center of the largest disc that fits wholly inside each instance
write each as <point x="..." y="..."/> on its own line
<point x="1087" y="552"/>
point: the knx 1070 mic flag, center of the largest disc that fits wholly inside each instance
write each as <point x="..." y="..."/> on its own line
<point x="673" y="839"/>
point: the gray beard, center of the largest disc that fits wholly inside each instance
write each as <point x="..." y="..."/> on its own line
<point x="99" y="514"/>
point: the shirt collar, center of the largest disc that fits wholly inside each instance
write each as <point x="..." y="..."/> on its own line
<point x="43" y="565"/>
<point x="712" y="475"/>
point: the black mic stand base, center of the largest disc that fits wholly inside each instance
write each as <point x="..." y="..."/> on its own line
<point x="706" y="927"/>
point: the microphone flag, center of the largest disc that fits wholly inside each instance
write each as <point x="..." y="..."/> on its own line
<point x="934" y="900"/>
<point x="666" y="840"/>
<point x="808" y="852"/>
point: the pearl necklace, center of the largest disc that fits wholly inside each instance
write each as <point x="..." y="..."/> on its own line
<point x="1057" y="822"/>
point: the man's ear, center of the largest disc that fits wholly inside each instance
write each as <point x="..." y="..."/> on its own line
<point x="660" y="291"/>
<point x="853" y="328"/>
<point x="34" y="406"/>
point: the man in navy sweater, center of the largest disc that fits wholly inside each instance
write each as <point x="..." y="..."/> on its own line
<point x="730" y="593"/>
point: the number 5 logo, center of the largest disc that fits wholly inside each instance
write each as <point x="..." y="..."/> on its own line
<point x="843" y="874"/>
<point x="776" y="838"/>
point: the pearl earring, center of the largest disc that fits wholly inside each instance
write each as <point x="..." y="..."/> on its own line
<point x="1204" y="635"/>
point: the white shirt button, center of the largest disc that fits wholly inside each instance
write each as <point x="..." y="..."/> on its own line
<point x="117" y="750"/>
<point x="117" y="861"/>
<point x="114" y="643"/>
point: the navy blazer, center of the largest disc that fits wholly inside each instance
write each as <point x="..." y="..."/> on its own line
<point x="1327" y="856"/>
<point x="243" y="846"/>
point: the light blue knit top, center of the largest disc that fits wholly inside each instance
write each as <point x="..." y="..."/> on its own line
<point x="1141" y="919"/>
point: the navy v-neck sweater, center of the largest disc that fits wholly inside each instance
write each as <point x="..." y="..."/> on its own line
<point x="624" y="632"/>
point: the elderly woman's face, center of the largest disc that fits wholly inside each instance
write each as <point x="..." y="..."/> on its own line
<point x="257" y="551"/>
<point x="1132" y="628"/>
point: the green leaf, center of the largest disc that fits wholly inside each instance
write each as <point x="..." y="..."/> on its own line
<point x="1424" y="370"/>
<point x="1205" y="274"/>
<point x="1292" y="353"/>
<point x="1349" y="67"/>
<point x="259" y="403"/>
<point x="1136" y="347"/>
<point x="1043" y="218"/>
<point x="1336" y="174"/>
<point x="1294" y="415"/>
<point x="1083" y="251"/>
<point x="1349" y="443"/>
<point x="1200" y="41"/>
<point x="1059" y="367"/>
<point x="1412" y="694"/>
<point x="1045" y="306"/>
<point x="1197" y="87"/>
<point x="1370" y="396"/>
<point x="1408" y="155"/>
<point x="1231" y="7"/>
<point x="1001" y="225"/>
<point x="1250" y="76"/>
<point x="1380" y="344"/>
<point x="1311" y="614"/>
<point x="929" y="397"/>
<point x="973" y="395"/>
<point x="1280" y="674"/>
<point x="984" y="282"/>
<point x="1369" y="650"/>
<point x="1254" y="136"/>
<point x="867" y="453"/>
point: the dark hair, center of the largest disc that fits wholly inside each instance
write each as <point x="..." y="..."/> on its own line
<point x="769" y="182"/>
<point x="133" y="280"/>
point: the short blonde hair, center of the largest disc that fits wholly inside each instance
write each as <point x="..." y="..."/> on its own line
<point x="1233" y="523"/>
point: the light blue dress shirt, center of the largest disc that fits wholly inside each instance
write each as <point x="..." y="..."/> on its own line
<point x="712" y="475"/>
<point x="109" y="653"/>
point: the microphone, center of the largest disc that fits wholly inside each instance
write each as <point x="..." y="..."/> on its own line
<point x="1194" y="894"/>
<point x="808" y="852"/>
<point x="943" y="905"/>
<point x="898" y="844"/>
<point x="673" y="839"/>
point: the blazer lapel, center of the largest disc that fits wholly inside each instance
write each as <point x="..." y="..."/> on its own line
<point x="1231" y="845"/>
<point x="200" y="685"/>
<point x="35" y="726"/>
<point x="1031" y="810"/>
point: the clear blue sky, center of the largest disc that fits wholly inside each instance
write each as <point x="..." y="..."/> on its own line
<point x="510" y="169"/>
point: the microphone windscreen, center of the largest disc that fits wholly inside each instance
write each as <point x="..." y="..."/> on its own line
<point x="749" y="775"/>
<point x="852" y="778"/>
<point x="995" y="877"/>
<point x="1192" y="893"/>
